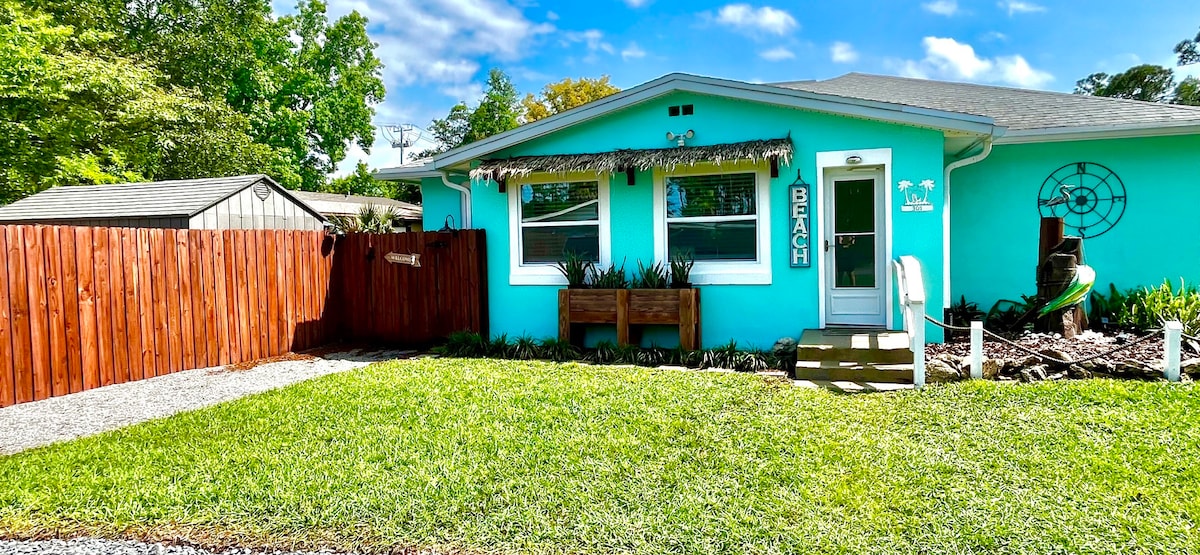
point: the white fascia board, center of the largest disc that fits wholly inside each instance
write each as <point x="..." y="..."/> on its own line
<point x="1060" y="134"/>
<point x="882" y="111"/>
<point x="402" y="173"/>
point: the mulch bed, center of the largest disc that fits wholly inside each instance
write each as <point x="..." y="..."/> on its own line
<point x="1088" y="344"/>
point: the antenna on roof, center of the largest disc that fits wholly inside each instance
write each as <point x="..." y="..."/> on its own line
<point x="401" y="135"/>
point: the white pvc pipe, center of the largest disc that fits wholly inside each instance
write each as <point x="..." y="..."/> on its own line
<point x="976" y="350"/>
<point x="464" y="194"/>
<point x="987" y="149"/>
<point x="1174" y="335"/>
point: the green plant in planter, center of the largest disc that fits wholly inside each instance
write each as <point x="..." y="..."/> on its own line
<point x="681" y="269"/>
<point x="612" y="277"/>
<point x="576" y="269"/>
<point x="650" y="277"/>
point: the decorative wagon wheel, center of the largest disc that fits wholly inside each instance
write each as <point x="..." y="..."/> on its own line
<point x="1089" y="197"/>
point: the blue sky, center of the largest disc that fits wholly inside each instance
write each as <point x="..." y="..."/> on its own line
<point x="438" y="52"/>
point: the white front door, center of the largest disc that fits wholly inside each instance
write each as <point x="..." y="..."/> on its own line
<point x="854" y="265"/>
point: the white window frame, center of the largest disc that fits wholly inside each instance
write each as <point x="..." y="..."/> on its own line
<point x="520" y="273"/>
<point x="719" y="272"/>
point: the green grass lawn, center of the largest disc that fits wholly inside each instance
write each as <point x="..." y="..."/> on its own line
<point x="558" y="458"/>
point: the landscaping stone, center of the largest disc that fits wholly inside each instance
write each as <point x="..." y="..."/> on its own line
<point x="941" y="371"/>
<point x="1190" y="367"/>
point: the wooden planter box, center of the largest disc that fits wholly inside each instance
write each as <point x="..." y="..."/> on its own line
<point x="630" y="307"/>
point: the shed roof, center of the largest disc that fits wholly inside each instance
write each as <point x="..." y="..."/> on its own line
<point x="178" y="198"/>
<point x="348" y="205"/>
<point x="1016" y="109"/>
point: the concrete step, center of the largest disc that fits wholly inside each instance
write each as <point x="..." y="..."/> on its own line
<point x="859" y="346"/>
<point x="853" y="372"/>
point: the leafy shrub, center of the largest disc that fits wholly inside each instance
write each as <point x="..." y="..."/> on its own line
<point x="962" y="313"/>
<point x="465" y="344"/>
<point x="559" y="350"/>
<point x="1005" y="315"/>
<point x="525" y="348"/>
<point x="604" y="353"/>
<point x="611" y="278"/>
<point x="499" y="347"/>
<point x="651" y="277"/>
<point x="576" y="269"/>
<point x="1141" y="310"/>
<point x="725" y="356"/>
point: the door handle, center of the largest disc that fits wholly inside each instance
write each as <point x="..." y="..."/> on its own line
<point x="827" y="245"/>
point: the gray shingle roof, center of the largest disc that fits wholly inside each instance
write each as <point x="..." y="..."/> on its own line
<point x="337" y="203"/>
<point x="181" y="198"/>
<point x="1016" y="109"/>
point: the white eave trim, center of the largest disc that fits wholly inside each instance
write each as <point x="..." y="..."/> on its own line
<point x="1059" y="134"/>
<point x="768" y="94"/>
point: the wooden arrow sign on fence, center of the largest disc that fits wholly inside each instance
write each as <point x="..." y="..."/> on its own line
<point x="413" y="260"/>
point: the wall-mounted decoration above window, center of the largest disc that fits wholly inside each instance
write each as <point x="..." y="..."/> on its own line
<point x="1089" y="197"/>
<point x="916" y="197"/>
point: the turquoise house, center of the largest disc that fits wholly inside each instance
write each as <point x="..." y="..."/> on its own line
<point x="794" y="197"/>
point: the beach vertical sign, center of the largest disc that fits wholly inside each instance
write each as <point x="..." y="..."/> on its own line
<point x="799" y="236"/>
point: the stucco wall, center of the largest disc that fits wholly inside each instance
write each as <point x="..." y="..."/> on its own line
<point x="994" y="216"/>
<point x="439" y="201"/>
<point x="754" y="315"/>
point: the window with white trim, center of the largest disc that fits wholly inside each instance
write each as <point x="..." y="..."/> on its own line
<point x="713" y="217"/>
<point x="559" y="218"/>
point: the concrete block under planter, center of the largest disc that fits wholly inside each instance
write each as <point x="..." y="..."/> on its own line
<point x="630" y="307"/>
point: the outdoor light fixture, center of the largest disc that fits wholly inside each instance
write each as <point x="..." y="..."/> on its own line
<point x="852" y="160"/>
<point x="680" y="138"/>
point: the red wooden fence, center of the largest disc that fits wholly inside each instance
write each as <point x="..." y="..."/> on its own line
<point x="86" y="307"/>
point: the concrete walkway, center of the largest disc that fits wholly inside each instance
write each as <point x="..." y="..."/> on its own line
<point x="38" y="423"/>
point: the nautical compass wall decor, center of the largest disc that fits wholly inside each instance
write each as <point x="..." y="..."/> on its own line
<point x="1089" y="197"/>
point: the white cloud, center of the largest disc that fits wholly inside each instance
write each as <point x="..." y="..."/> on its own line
<point x="637" y="3"/>
<point x="1015" y="70"/>
<point x="941" y="7"/>
<point x="953" y="58"/>
<point x="551" y="16"/>
<point x="777" y="54"/>
<point x="428" y="42"/>
<point x="991" y="36"/>
<point x="947" y="58"/>
<point x="594" y="39"/>
<point x="466" y="92"/>
<point x="1020" y="6"/>
<point x="632" y="52"/>
<point x="843" y="53"/>
<point x="756" y="20"/>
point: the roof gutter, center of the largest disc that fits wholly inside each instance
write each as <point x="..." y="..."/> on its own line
<point x="464" y="194"/>
<point x="987" y="149"/>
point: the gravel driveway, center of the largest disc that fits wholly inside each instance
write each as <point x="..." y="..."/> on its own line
<point x="29" y="425"/>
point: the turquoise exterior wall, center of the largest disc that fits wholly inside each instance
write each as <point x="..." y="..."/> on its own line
<point x="439" y="201"/>
<point x="994" y="215"/>
<point x="753" y="315"/>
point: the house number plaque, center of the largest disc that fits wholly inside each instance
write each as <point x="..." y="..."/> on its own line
<point x="799" y="244"/>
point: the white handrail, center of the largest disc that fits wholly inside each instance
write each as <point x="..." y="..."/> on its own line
<point x="911" y="284"/>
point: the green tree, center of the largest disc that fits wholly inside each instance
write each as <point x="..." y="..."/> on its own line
<point x="306" y="86"/>
<point x="498" y="111"/>
<point x="1188" y="50"/>
<point x="69" y="116"/>
<point x="564" y="95"/>
<point x="1188" y="92"/>
<point x="1149" y="82"/>
<point x="361" y="182"/>
<point x="1146" y="82"/>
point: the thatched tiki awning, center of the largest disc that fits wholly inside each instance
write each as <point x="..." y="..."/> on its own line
<point x="640" y="159"/>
